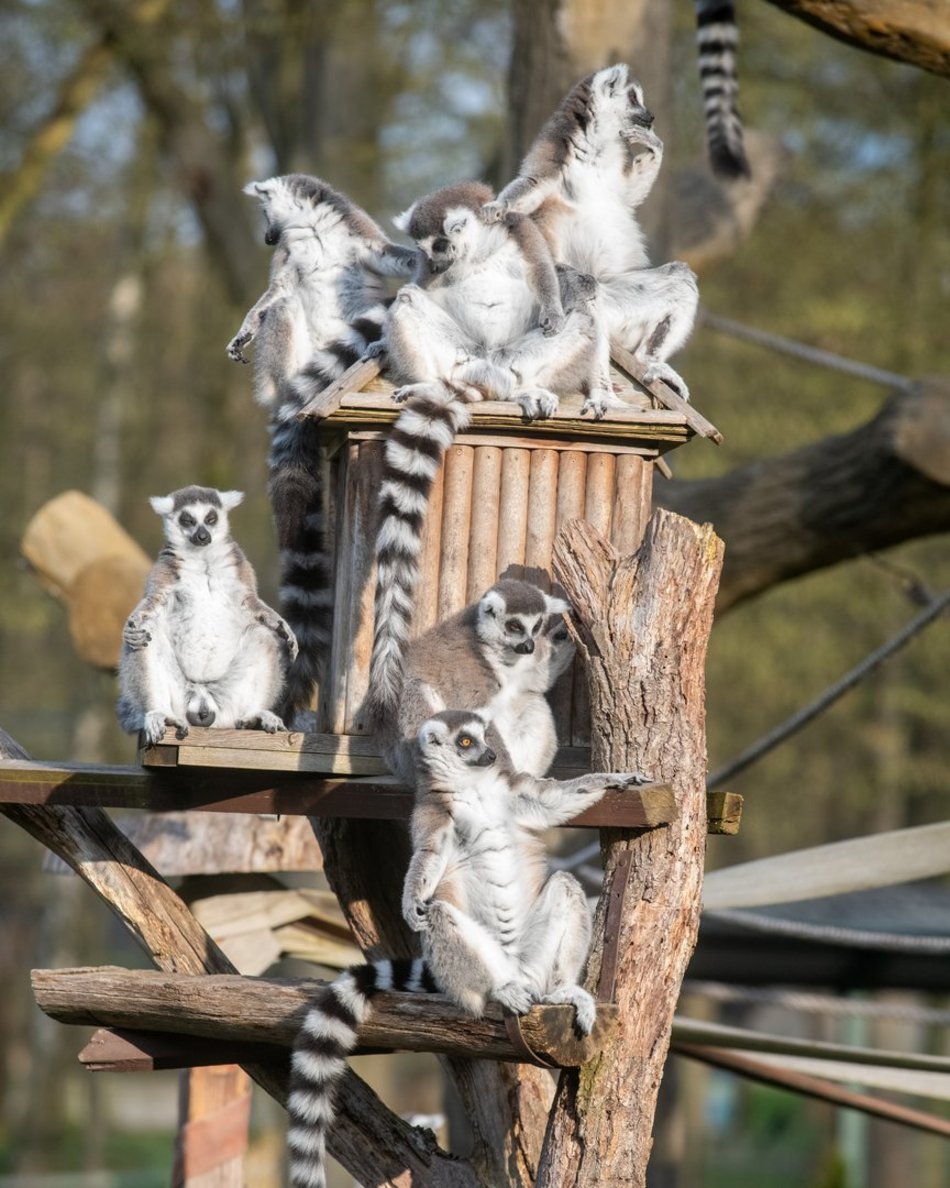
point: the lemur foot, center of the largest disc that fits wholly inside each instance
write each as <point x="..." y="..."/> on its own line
<point x="374" y="350"/>
<point x="584" y="1006"/>
<point x="135" y="636"/>
<point x="516" y="996"/>
<point x="265" y="720"/>
<point x="551" y="321"/>
<point x="154" y="726"/>
<point x="663" y="371"/>
<point x="416" y="913"/>
<point x="598" y="401"/>
<point x="234" y="347"/>
<point x="625" y="779"/>
<point x="537" y="402"/>
<point x="494" y="212"/>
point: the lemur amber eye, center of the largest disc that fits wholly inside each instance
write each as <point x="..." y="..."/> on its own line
<point x="211" y="517"/>
<point x="464" y="741"/>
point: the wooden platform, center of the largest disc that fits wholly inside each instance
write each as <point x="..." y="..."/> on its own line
<point x="297" y="774"/>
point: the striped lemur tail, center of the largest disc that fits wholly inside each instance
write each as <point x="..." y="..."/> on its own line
<point x="325" y="1039"/>
<point x="415" y="447"/>
<point x="717" y="35"/>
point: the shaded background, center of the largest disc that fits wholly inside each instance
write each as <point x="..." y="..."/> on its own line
<point x="118" y="295"/>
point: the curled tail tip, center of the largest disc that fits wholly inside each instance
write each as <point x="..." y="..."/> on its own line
<point x="729" y="161"/>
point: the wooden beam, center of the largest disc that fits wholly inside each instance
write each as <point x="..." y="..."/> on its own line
<point x="630" y="366"/>
<point x="124" y="1050"/>
<point x="269" y="1010"/>
<point x="354" y="379"/>
<point x="381" y="799"/>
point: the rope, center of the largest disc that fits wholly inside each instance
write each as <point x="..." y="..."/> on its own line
<point x="799" y="350"/>
<point x="818" y="1004"/>
<point x="833" y="934"/>
<point x="768" y="742"/>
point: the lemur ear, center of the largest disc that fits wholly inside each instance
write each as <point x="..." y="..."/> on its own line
<point x="611" y="77"/>
<point x="401" y="221"/>
<point x="257" y="189"/>
<point x="556" y="606"/>
<point x="231" y="499"/>
<point x="432" y="733"/>
<point x="492" y="604"/>
<point x="162" y="504"/>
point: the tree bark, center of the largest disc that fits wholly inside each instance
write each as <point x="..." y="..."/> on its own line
<point x="366" y="1137"/>
<point x="643" y="628"/>
<point x="886" y="482"/>
<point x="914" y="31"/>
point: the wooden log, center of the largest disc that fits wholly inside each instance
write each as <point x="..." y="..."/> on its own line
<point x="643" y="623"/>
<point x="426" y="613"/>
<point x="270" y="1010"/>
<point x="542" y="511"/>
<point x="483" y="543"/>
<point x="456" y="528"/>
<point x="599" y="496"/>
<point x="513" y="508"/>
<point x="94" y="847"/>
<point x="362" y="559"/>
<point x="368" y="799"/>
<point x="632" y="500"/>
<point x="333" y="700"/>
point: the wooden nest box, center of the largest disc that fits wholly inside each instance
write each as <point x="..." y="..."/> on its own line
<point x="505" y="489"/>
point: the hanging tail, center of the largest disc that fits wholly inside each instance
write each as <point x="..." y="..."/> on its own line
<point x="717" y="35"/>
<point x="326" y="1038"/>
<point x="415" y="448"/>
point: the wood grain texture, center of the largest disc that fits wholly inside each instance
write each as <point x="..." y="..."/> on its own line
<point x="632" y="504"/>
<point x="542" y="510"/>
<point x="270" y="1010"/>
<point x="427" y="594"/>
<point x="599" y="496"/>
<point x="513" y="514"/>
<point x="668" y="398"/>
<point x="333" y="701"/>
<point x="359" y="611"/>
<point x="483" y="542"/>
<point x="459" y="469"/>
<point x="643" y="622"/>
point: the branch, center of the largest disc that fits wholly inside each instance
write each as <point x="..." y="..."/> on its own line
<point x="884" y="483"/>
<point x="914" y="31"/>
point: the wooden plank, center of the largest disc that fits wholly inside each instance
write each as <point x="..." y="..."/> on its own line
<point x="632" y="500"/>
<point x="542" y="511"/>
<point x="333" y="703"/>
<point x="125" y="1050"/>
<point x="426" y="613"/>
<point x="361" y="616"/>
<point x="269" y="1010"/>
<point x="289" y="794"/>
<point x="354" y="379"/>
<point x="513" y="508"/>
<point x="723" y="814"/>
<point x="456" y="526"/>
<point x="483" y="542"/>
<point x="615" y="446"/>
<point x="671" y="400"/>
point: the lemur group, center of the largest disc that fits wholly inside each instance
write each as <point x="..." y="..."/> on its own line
<point x="516" y="297"/>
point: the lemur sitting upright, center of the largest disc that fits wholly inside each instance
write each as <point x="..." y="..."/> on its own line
<point x="494" y="925"/>
<point x="592" y="164"/>
<point x="498" y="656"/>
<point x="326" y="302"/>
<point x="201" y="648"/>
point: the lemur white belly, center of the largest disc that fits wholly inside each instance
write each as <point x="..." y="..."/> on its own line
<point x="492" y="303"/>
<point x="603" y="238"/>
<point x="486" y="865"/>
<point x="209" y="622"/>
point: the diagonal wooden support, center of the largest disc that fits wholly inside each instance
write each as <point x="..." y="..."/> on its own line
<point x="630" y="366"/>
<point x="643" y="625"/>
<point x="367" y="1138"/>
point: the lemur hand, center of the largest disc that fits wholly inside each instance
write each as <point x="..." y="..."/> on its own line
<point x="234" y="347"/>
<point x="134" y="634"/>
<point x="551" y="320"/>
<point x="281" y="628"/>
<point x="494" y="212"/>
<point x="374" y="350"/>
<point x="415" y="911"/>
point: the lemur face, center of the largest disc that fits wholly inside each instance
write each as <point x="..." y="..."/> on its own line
<point x="446" y="223"/>
<point x="454" y="742"/>
<point x="292" y="205"/>
<point x="618" y="98"/>
<point x="196" y="517"/>
<point x="511" y="616"/>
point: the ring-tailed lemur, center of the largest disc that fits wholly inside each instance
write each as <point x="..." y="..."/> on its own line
<point x="498" y="656"/>
<point x="717" y="36"/>
<point x="201" y="648"/>
<point x="494" y="925"/>
<point x="326" y="302"/>
<point x="592" y="164"/>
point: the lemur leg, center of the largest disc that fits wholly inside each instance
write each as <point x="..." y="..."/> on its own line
<point x="153" y="689"/>
<point x="469" y="964"/>
<point x="253" y="684"/>
<point x="555" y="943"/>
<point x="652" y="312"/>
<point x="544" y="367"/>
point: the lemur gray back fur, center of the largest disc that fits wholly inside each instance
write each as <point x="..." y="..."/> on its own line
<point x="494" y="927"/>
<point x="201" y="648"/>
<point x="499" y="656"/>
<point x="325" y="304"/>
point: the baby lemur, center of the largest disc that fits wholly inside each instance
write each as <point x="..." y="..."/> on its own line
<point x="494" y="925"/>
<point x="326" y="302"/>
<point x="201" y="648"/>
<point x="498" y="656"/>
<point x="592" y="164"/>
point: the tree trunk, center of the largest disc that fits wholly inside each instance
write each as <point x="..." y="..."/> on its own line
<point x="643" y="627"/>
<point x="886" y="482"/>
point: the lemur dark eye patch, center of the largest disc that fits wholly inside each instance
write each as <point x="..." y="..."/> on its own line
<point x="187" y="520"/>
<point x="211" y="517"/>
<point x="514" y="625"/>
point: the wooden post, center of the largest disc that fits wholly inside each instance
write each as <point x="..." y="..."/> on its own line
<point x="643" y="624"/>
<point x="214" y="1113"/>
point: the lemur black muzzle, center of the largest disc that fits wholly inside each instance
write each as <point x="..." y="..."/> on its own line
<point x="271" y="235"/>
<point x="642" y="116"/>
<point x="526" y="648"/>
<point x="486" y="759"/>
<point x="201" y="536"/>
